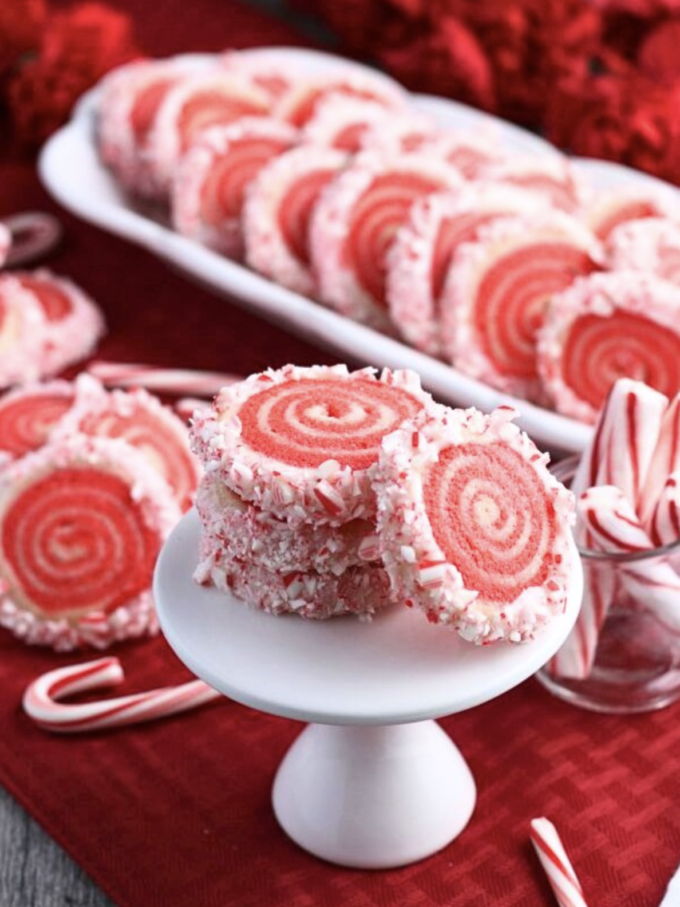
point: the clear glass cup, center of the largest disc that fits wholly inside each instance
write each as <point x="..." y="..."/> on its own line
<point x="636" y="667"/>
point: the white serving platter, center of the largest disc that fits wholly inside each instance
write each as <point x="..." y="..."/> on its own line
<point x="72" y="172"/>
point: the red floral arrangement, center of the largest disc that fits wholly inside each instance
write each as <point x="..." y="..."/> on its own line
<point x="49" y="58"/>
<point x="598" y="77"/>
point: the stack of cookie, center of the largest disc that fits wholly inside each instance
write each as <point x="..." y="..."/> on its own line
<point x="287" y="500"/>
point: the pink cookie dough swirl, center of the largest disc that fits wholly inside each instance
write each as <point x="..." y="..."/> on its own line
<point x="554" y="177"/>
<point x="342" y="122"/>
<point x="81" y="524"/>
<point x="264" y="71"/>
<point x="299" y="105"/>
<point x="24" y="334"/>
<point x="141" y="420"/>
<point x="130" y="98"/>
<point x="192" y="106"/>
<point x="623" y="324"/>
<point x="278" y="211"/>
<point x="475" y="530"/>
<point x="209" y="188"/>
<point x="29" y="415"/>
<point x="302" y="443"/>
<point x="254" y="536"/>
<point x="356" y="221"/>
<point x="497" y="292"/>
<point x="317" y="596"/>
<point x="651" y="245"/>
<point x="74" y="323"/>
<point x="614" y="207"/>
<point x="426" y="245"/>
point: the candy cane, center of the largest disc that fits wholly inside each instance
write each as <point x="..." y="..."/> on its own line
<point x="34" y="234"/>
<point x="665" y="461"/>
<point x="40" y="700"/>
<point x="616" y="528"/>
<point x="631" y="427"/>
<point x="556" y="864"/>
<point x="664" y="526"/>
<point x="178" y="381"/>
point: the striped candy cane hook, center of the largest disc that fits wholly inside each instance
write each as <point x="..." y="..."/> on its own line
<point x="556" y="864"/>
<point x="41" y="699"/>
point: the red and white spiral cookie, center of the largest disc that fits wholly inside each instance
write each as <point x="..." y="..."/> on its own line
<point x="81" y="524"/>
<point x="474" y="528"/>
<point x="29" y="415"/>
<point x="553" y="177"/>
<point x="194" y="105"/>
<point x="263" y="71"/>
<point x="23" y="334"/>
<point x="342" y="122"/>
<point x="209" y="188"/>
<point x="318" y="596"/>
<point x="614" y="207"/>
<point x="302" y="443"/>
<point x="623" y="324"/>
<point x="355" y="224"/>
<point x="254" y="536"/>
<point x="278" y="210"/>
<point x="300" y="104"/>
<point x="74" y="322"/>
<point x="425" y="246"/>
<point x="471" y="153"/>
<point x="131" y="96"/>
<point x="140" y="420"/>
<point x="497" y="292"/>
<point x="402" y="133"/>
<point x="651" y="245"/>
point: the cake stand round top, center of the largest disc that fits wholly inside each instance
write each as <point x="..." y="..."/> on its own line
<point x="394" y="669"/>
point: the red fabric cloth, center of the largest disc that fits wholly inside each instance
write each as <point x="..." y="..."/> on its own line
<point x="178" y="813"/>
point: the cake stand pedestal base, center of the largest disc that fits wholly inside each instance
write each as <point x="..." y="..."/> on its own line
<point x="373" y="797"/>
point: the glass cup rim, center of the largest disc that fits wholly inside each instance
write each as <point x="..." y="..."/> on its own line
<point x="564" y="471"/>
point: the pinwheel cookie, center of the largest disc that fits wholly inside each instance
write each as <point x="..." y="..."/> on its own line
<point x="74" y="323"/>
<point x="358" y="590"/>
<point x="651" y="245"/>
<point x="131" y="96"/>
<point x="342" y="122"/>
<point x="552" y="176"/>
<point x="474" y="528"/>
<point x="302" y="443"/>
<point x="247" y="533"/>
<point x="301" y="103"/>
<point x="472" y="153"/>
<point x="29" y="414"/>
<point x="614" y="207"/>
<point x="278" y="210"/>
<point x="263" y="70"/>
<point x="81" y="524"/>
<point x="497" y="292"/>
<point x="191" y="107"/>
<point x="23" y="334"/>
<point x="141" y="421"/>
<point x="210" y="185"/>
<point x="356" y="221"/>
<point x="608" y="326"/>
<point x="425" y="246"/>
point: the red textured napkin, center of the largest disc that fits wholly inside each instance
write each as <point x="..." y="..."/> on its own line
<point x="178" y="813"/>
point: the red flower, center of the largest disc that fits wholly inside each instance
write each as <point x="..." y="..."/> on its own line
<point x="20" y="25"/>
<point x="625" y="118"/>
<point x="447" y="60"/>
<point x="78" y="47"/>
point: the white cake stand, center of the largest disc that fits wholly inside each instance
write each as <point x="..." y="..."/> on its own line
<point x="373" y="782"/>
